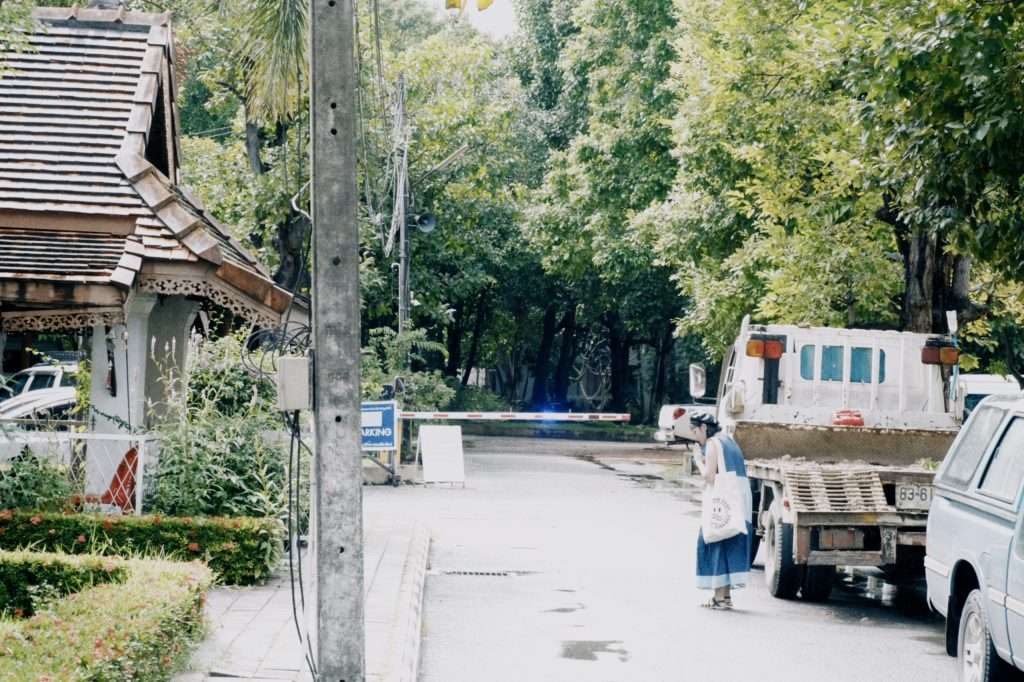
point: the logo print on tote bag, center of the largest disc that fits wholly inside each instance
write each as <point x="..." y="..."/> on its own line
<point x="720" y="511"/>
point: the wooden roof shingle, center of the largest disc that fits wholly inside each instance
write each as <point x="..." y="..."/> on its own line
<point x="64" y="108"/>
<point x="79" y="111"/>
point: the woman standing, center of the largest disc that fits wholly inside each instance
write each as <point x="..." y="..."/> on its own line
<point x="721" y="566"/>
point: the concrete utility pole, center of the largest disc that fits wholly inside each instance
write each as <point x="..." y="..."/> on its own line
<point x="340" y="626"/>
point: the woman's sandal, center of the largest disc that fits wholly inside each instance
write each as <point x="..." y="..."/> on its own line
<point x="717" y="604"/>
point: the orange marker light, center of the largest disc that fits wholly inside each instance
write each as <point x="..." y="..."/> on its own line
<point x="755" y="348"/>
<point x="773" y="350"/>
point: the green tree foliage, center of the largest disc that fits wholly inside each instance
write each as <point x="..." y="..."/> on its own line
<point x="769" y="216"/>
<point x="614" y="168"/>
<point x="15" y="18"/>
<point x="940" y="95"/>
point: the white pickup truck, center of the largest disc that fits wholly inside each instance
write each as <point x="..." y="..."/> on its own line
<point x="837" y="426"/>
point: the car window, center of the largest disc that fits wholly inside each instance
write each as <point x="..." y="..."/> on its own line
<point x="974" y="441"/>
<point x="860" y="365"/>
<point x="18" y="381"/>
<point x="41" y="381"/>
<point x="68" y="379"/>
<point x="807" y="362"/>
<point x="832" y="363"/>
<point x="1006" y="466"/>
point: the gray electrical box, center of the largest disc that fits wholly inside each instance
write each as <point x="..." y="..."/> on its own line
<point x="293" y="383"/>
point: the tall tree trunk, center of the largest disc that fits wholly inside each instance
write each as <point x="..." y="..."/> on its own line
<point x="618" y="345"/>
<point x="290" y="242"/>
<point x="252" y="147"/>
<point x="921" y="273"/>
<point x="566" y="357"/>
<point x="455" y="330"/>
<point x="664" y="358"/>
<point x="479" y="321"/>
<point x="542" y="367"/>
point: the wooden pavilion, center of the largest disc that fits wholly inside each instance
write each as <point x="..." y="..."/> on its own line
<point x="96" y="233"/>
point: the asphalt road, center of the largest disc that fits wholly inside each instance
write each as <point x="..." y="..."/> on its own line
<point x="574" y="562"/>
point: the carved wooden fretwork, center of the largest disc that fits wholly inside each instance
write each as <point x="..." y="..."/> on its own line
<point x="60" y="320"/>
<point x="223" y="296"/>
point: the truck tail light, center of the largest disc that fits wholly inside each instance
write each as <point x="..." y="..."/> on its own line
<point x="755" y="348"/>
<point x="940" y="354"/>
<point x="773" y="350"/>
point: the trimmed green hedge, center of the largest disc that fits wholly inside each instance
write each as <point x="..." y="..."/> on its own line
<point x="138" y="630"/>
<point x="241" y="551"/>
<point x="28" y="579"/>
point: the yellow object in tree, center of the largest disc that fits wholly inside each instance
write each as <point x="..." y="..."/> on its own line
<point x="481" y="5"/>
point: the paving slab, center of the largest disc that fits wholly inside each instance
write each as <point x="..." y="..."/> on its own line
<point x="252" y="635"/>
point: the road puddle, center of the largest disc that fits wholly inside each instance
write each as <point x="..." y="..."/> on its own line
<point x="587" y="650"/>
<point x="865" y="596"/>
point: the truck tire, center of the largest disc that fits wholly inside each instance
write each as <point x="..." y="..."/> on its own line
<point x="977" y="660"/>
<point x="781" y="574"/>
<point x="817" y="583"/>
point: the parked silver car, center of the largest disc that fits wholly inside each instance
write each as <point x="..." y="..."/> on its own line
<point x="975" y="542"/>
<point x="39" y="377"/>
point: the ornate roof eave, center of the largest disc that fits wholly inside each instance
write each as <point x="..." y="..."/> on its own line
<point x="60" y="320"/>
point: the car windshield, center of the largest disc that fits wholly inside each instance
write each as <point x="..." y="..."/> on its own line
<point x="41" y="381"/>
<point x="16" y="384"/>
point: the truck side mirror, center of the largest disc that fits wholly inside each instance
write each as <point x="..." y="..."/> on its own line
<point x="698" y="380"/>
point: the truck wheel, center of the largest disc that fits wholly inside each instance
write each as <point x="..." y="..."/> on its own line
<point x="817" y="584"/>
<point x="977" y="659"/>
<point x="780" y="573"/>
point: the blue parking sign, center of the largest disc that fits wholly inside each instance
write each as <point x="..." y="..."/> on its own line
<point x="380" y="428"/>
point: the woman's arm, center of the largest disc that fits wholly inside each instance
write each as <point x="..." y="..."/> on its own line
<point x="713" y="449"/>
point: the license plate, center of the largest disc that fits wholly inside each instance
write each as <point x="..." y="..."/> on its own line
<point x="910" y="496"/>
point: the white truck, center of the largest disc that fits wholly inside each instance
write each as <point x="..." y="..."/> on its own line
<point x="837" y="427"/>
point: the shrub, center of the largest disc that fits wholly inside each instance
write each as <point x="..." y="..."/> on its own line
<point x="140" y="628"/>
<point x="477" y="399"/>
<point x="218" y="456"/>
<point x="28" y="482"/>
<point x="29" y="580"/>
<point x="241" y="551"/>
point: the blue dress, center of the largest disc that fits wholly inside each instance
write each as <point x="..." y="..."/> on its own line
<point x="726" y="563"/>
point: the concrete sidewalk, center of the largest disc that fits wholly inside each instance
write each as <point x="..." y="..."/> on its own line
<point x="252" y="633"/>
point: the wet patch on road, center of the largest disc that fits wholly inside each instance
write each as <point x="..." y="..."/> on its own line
<point x="863" y="597"/>
<point x="566" y="609"/>
<point x="587" y="650"/>
<point x="594" y="460"/>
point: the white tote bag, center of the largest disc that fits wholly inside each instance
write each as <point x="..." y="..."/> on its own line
<point x="724" y="507"/>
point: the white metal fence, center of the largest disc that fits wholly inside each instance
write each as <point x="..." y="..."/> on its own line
<point x="104" y="472"/>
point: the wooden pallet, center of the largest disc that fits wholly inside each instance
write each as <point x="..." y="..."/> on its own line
<point x="820" y="489"/>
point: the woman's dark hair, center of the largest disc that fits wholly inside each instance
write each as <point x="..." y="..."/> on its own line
<point x="708" y="421"/>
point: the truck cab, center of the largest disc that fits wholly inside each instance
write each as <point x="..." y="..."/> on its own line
<point x="786" y="389"/>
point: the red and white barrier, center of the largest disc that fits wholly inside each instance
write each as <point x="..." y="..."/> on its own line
<point x="519" y="416"/>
